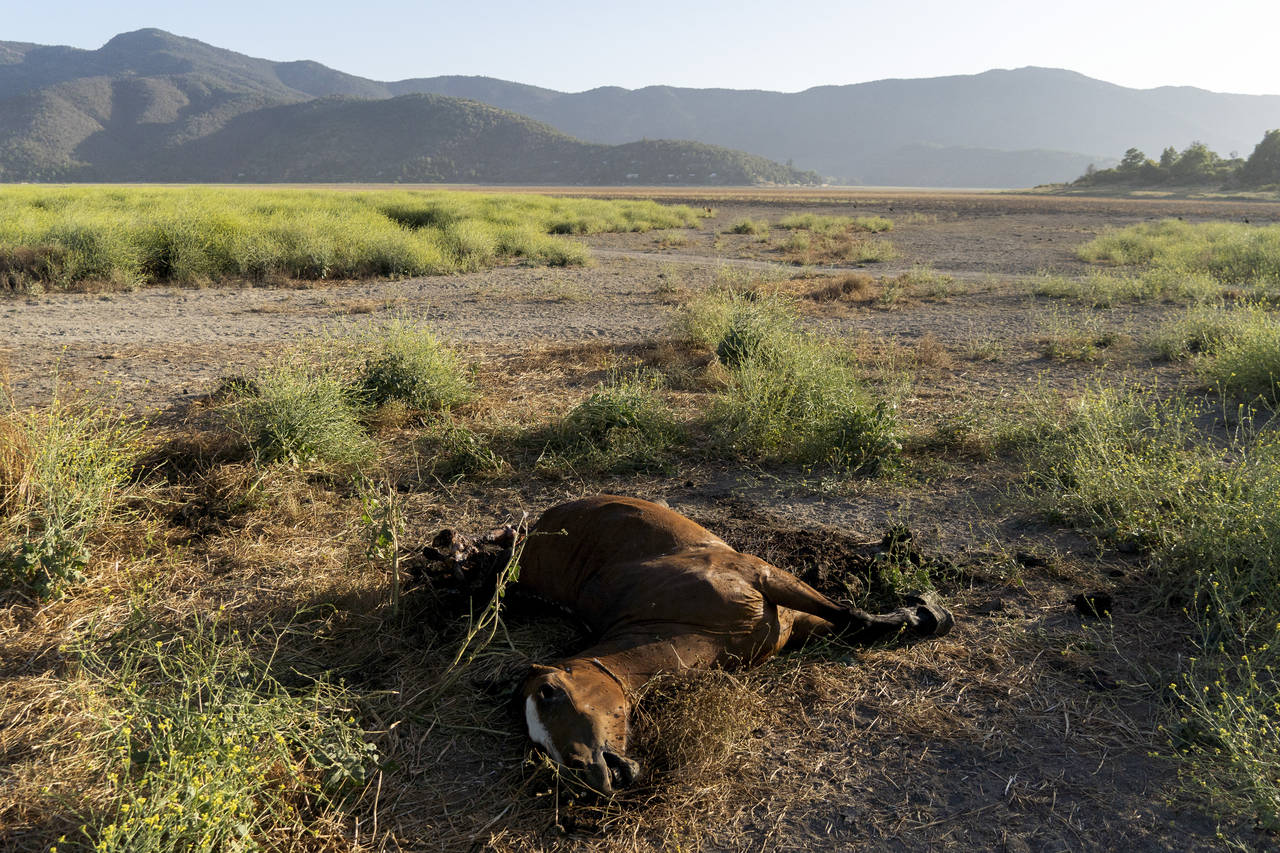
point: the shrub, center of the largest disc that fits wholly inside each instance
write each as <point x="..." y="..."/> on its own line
<point x="63" y="474"/>
<point x="299" y="414"/>
<point x="749" y="226"/>
<point x="864" y="251"/>
<point x="799" y="403"/>
<point x="408" y="363"/>
<point x="623" y="426"/>
<point x="874" y="224"/>
<point x="736" y="321"/>
<point x="850" y="287"/>
<point x="815" y="247"/>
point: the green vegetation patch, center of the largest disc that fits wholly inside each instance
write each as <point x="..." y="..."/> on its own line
<point x="821" y="224"/>
<point x="1235" y="347"/>
<point x="63" y="470"/>
<point x="749" y="226"/>
<point x="624" y="426"/>
<point x="61" y="237"/>
<point x="311" y="406"/>
<point x="1158" y="284"/>
<point x="1232" y="253"/>
<point x="1143" y="473"/>
<point x="788" y="396"/>
<point x="407" y="363"/>
<point x="202" y="747"/>
<point x="300" y="414"/>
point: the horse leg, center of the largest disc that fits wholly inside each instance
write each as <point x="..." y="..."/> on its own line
<point x="924" y="614"/>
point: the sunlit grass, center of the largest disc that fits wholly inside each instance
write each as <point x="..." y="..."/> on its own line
<point x="788" y="395"/>
<point x="60" y="237"/>
<point x="203" y="747"/>
<point x="1235" y="348"/>
<point x="62" y="471"/>
<point x="1143" y="473"/>
<point x="1232" y="253"/>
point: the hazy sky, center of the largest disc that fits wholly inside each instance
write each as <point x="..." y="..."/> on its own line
<point x="1225" y="46"/>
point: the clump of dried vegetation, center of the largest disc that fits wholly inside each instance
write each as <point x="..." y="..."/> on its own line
<point x="920" y="283"/>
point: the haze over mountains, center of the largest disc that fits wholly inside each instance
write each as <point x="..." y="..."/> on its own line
<point x="149" y="105"/>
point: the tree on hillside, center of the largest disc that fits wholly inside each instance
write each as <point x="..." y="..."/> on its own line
<point x="1137" y="166"/>
<point x="1133" y="160"/>
<point x="1196" y="164"/>
<point x="1263" y="165"/>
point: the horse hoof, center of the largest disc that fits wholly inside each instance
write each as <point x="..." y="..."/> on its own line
<point x="932" y="619"/>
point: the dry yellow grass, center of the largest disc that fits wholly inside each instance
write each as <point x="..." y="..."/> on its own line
<point x="15" y="465"/>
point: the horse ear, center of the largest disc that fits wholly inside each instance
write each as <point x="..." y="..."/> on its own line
<point x="519" y="676"/>
<point x="511" y="675"/>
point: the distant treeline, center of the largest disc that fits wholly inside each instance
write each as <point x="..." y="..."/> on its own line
<point x="1194" y="165"/>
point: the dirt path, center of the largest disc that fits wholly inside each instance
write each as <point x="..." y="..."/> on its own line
<point x="164" y="341"/>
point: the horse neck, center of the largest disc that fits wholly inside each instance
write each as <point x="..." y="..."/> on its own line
<point x="633" y="661"/>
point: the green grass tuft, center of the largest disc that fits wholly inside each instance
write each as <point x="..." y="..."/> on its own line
<point x="788" y="396"/>
<point x="749" y="226"/>
<point x="457" y="452"/>
<point x="1246" y="360"/>
<point x="299" y="414"/>
<point x="407" y="363"/>
<point x="625" y="426"/>
<point x="1236" y="348"/>
<point x="64" y="469"/>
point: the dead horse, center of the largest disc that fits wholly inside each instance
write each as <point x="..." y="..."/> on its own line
<point x="662" y="594"/>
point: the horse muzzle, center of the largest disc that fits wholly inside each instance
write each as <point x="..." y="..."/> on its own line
<point x="609" y="772"/>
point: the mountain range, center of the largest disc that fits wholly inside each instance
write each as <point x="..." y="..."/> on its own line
<point x="149" y="105"/>
<point x="152" y="106"/>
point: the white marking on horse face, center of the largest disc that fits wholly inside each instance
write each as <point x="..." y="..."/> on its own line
<point x="537" y="731"/>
